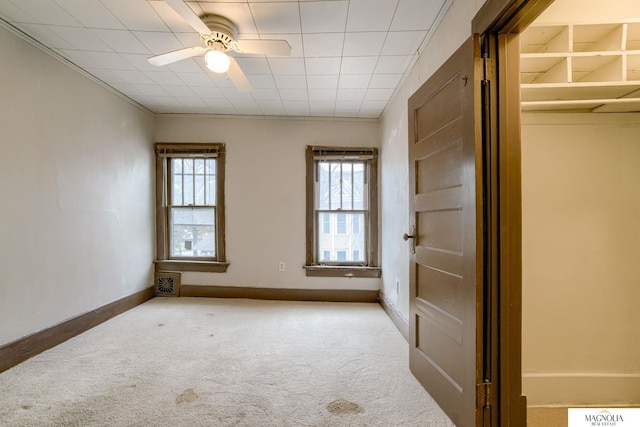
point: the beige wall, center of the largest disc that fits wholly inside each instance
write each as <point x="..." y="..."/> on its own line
<point x="75" y="190"/>
<point x="265" y="193"/>
<point x="581" y="251"/>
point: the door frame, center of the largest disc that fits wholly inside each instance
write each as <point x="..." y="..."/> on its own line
<point x="499" y="23"/>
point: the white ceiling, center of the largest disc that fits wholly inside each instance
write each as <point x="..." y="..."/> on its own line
<point x="348" y="56"/>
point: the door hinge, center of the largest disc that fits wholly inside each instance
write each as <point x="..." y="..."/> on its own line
<point x="485" y="68"/>
<point x="486" y="394"/>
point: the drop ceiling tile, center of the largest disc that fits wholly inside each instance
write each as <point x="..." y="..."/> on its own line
<point x="238" y="13"/>
<point x="296" y="108"/>
<point x="136" y="15"/>
<point x="385" y="81"/>
<point x="107" y="76"/>
<point x="121" y="41"/>
<point x="254" y="65"/>
<point x="351" y="95"/>
<point x="207" y="92"/>
<point x="415" y="14"/>
<point x="133" y="77"/>
<point x="218" y="103"/>
<point x="164" y="78"/>
<point x="158" y="42"/>
<point x="323" y="45"/>
<point x="152" y="90"/>
<point x="323" y="81"/>
<point x="285" y="81"/>
<point x="130" y="90"/>
<point x="47" y="13"/>
<point x="321" y="108"/>
<point x="393" y="64"/>
<point x="195" y="79"/>
<point x="354" y="81"/>
<point x="264" y="81"/>
<point x="12" y="13"/>
<point x="370" y="15"/>
<point x="265" y="94"/>
<point x="378" y="94"/>
<point x="189" y="39"/>
<point x="322" y="95"/>
<point x="287" y="65"/>
<point x="271" y="106"/>
<point x="369" y="114"/>
<point x="81" y="38"/>
<point x="170" y="17"/>
<point x="323" y="16"/>
<point x="363" y="44"/>
<point x="293" y="95"/>
<point x="232" y="94"/>
<point x="110" y="60"/>
<point x="403" y="42"/>
<point x="271" y="18"/>
<point x="44" y="34"/>
<point x="80" y="58"/>
<point x="346" y="106"/>
<point x="91" y="14"/>
<point x="318" y="66"/>
<point x="245" y="104"/>
<point x="358" y="65"/>
<point x="373" y="106"/>
<point x="180" y="91"/>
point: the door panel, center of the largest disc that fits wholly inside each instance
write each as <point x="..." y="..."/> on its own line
<point x="444" y="353"/>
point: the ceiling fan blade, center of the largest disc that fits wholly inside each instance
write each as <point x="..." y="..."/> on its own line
<point x="176" y="55"/>
<point x="238" y="78"/>
<point x="265" y="47"/>
<point x="188" y="15"/>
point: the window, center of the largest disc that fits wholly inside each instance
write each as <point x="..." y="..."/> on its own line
<point x="342" y="212"/>
<point x="190" y="207"/>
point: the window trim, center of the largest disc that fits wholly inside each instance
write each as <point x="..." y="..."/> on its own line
<point x="371" y="270"/>
<point x="163" y="153"/>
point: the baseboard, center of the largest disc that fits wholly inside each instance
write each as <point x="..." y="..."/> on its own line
<point x="328" y="295"/>
<point x="581" y="389"/>
<point x="24" y="348"/>
<point x="396" y="317"/>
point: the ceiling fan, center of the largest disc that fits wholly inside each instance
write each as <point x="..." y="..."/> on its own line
<point x="219" y="36"/>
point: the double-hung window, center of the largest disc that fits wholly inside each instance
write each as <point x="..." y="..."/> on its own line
<point x="190" y="207"/>
<point x="342" y="212"/>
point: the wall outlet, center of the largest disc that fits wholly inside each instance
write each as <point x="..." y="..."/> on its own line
<point x="281" y="266"/>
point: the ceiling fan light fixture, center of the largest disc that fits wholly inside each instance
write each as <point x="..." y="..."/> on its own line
<point x="217" y="61"/>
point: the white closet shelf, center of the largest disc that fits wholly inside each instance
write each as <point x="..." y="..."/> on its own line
<point x="594" y="64"/>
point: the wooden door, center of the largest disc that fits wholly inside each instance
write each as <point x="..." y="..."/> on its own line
<point x="445" y="268"/>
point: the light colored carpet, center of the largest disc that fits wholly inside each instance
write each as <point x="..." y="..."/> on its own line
<point x="224" y="362"/>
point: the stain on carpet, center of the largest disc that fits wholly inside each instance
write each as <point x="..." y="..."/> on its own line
<point x="189" y="395"/>
<point x="160" y="324"/>
<point x="344" y="407"/>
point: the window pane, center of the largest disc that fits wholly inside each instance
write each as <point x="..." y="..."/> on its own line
<point x="187" y="189"/>
<point x="192" y="232"/>
<point x="176" y="190"/>
<point x="326" y="223"/>
<point x="347" y="187"/>
<point x="324" y="186"/>
<point x="211" y="182"/>
<point x="350" y="245"/>
<point x="336" y="185"/>
<point x="341" y="226"/>
<point x="359" y="193"/>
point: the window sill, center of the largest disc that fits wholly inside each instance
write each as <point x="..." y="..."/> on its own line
<point x="199" y="266"/>
<point x="342" y="271"/>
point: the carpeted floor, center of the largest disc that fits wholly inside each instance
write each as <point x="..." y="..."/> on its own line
<point x="224" y="362"/>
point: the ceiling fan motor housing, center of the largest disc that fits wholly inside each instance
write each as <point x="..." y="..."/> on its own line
<point x="223" y="32"/>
